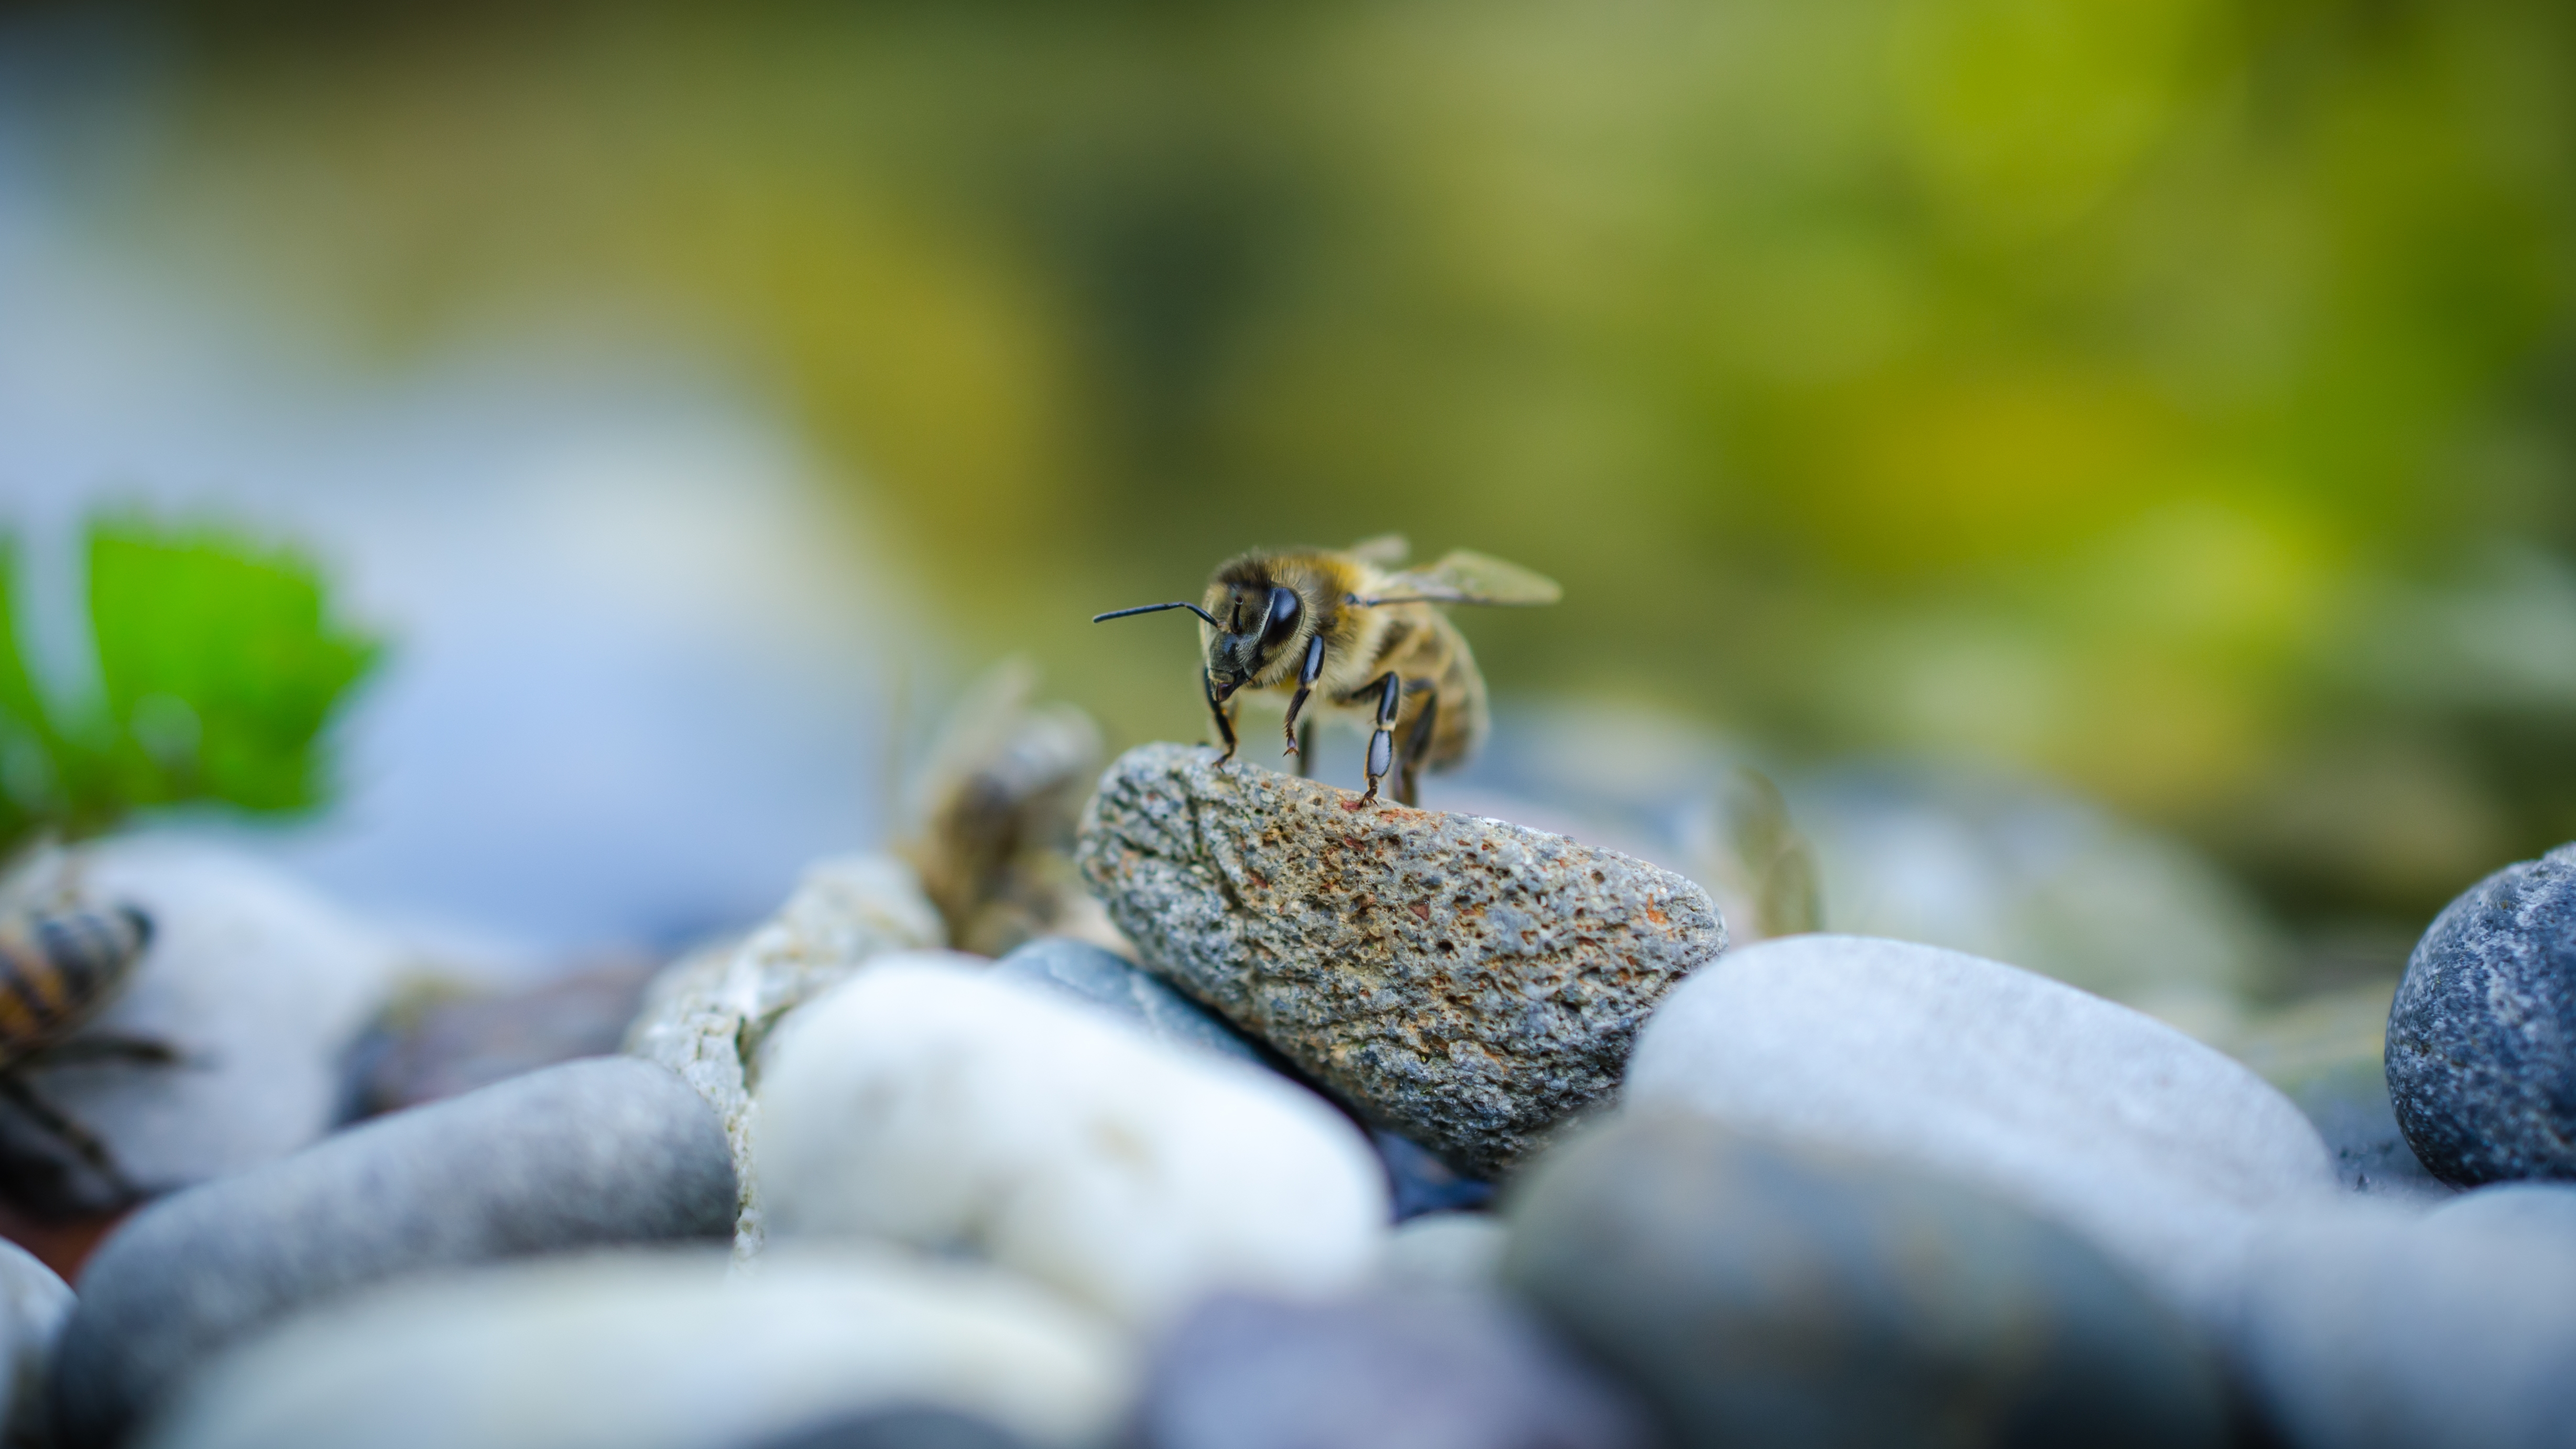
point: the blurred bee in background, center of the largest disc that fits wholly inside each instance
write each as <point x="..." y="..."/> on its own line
<point x="60" y="967"/>
<point x="1348" y="626"/>
<point x="993" y="817"/>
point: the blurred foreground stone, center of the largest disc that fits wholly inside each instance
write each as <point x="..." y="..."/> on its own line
<point x="1423" y="1370"/>
<point x="660" y="1351"/>
<point x="908" y="1428"/>
<point x="33" y="1306"/>
<point x="2365" y="1326"/>
<point x="2160" y="1149"/>
<point x="1466" y="982"/>
<point x="1784" y="1296"/>
<point x="597" y="1152"/>
<point x="929" y="1102"/>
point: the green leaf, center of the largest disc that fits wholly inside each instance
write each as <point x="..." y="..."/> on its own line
<point x="220" y="666"/>
<point x="26" y="767"/>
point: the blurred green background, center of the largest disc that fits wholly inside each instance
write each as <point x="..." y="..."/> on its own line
<point x="2168" y="399"/>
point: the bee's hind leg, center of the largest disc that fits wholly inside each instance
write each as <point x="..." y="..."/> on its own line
<point x="83" y="1142"/>
<point x="1381" y="745"/>
<point x="1417" y="743"/>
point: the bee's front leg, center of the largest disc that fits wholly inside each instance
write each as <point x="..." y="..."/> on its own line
<point x="1381" y="745"/>
<point x="1306" y="677"/>
<point x="1216" y="708"/>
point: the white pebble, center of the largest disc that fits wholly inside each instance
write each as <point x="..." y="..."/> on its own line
<point x="943" y="1107"/>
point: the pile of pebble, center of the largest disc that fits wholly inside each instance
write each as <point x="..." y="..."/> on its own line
<point x="849" y="1187"/>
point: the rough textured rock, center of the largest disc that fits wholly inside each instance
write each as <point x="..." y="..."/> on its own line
<point x="659" y="1351"/>
<point x="2160" y="1149"/>
<point x="609" y="1150"/>
<point x="1468" y="983"/>
<point x="1450" y="1370"/>
<point x="1086" y="972"/>
<point x="706" y="1017"/>
<point x="2482" y="1036"/>
<point x="932" y="1104"/>
<point x="2366" y="1326"/>
<point x="1764" y="1294"/>
<point x="256" y="982"/>
<point x="33" y="1304"/>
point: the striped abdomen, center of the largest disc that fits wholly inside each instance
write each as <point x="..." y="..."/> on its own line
<point x="57" y="968"/>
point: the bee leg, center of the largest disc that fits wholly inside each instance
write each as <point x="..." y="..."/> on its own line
<point x="1216" y="707"/>
<point x="139" y="1050"/>
<point x="1306" y="676"/>
<point x="1417" y="743"/>
<point x="1381" y="745"/>
<point x="83" y="1142"/>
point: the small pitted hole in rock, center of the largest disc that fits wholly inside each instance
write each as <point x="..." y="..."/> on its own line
<point x="1446" y="946"/>
<point x="1599" y="879"/>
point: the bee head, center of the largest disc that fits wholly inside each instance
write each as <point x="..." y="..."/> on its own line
<point x="1253" y="621"/>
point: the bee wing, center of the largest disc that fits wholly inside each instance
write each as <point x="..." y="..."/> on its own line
<point x="1463" y="577"/>
<point x="1384" y="551"/>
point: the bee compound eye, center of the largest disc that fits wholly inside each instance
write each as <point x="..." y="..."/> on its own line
<point x="1283" y="615"/>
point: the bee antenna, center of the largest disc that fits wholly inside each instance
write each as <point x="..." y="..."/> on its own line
<point x="1158" y="608"/>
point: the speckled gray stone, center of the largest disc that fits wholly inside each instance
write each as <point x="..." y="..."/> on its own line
<point x="1469" y="983"/>
<point x="2482" y="1036"/>
<point x="1761" y="1293"/>
<point x="605" y="1151"/>
<point x="1105" y="979"/>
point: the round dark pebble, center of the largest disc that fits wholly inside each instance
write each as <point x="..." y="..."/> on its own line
<point x="1419" y="1182"/>
<point x="1757" y="1293"/>
<point x="606" y="1151"/>
<point x="1112" y="982"/>
<point x="2482" y="1037"/>
<point x="1416" y="1371"/>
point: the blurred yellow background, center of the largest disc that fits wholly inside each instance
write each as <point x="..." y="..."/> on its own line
<point x="2168" y="399"/>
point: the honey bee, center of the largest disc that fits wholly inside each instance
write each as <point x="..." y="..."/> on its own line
<point x="58" y="969"/>
<point x="1367" y="637"/>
